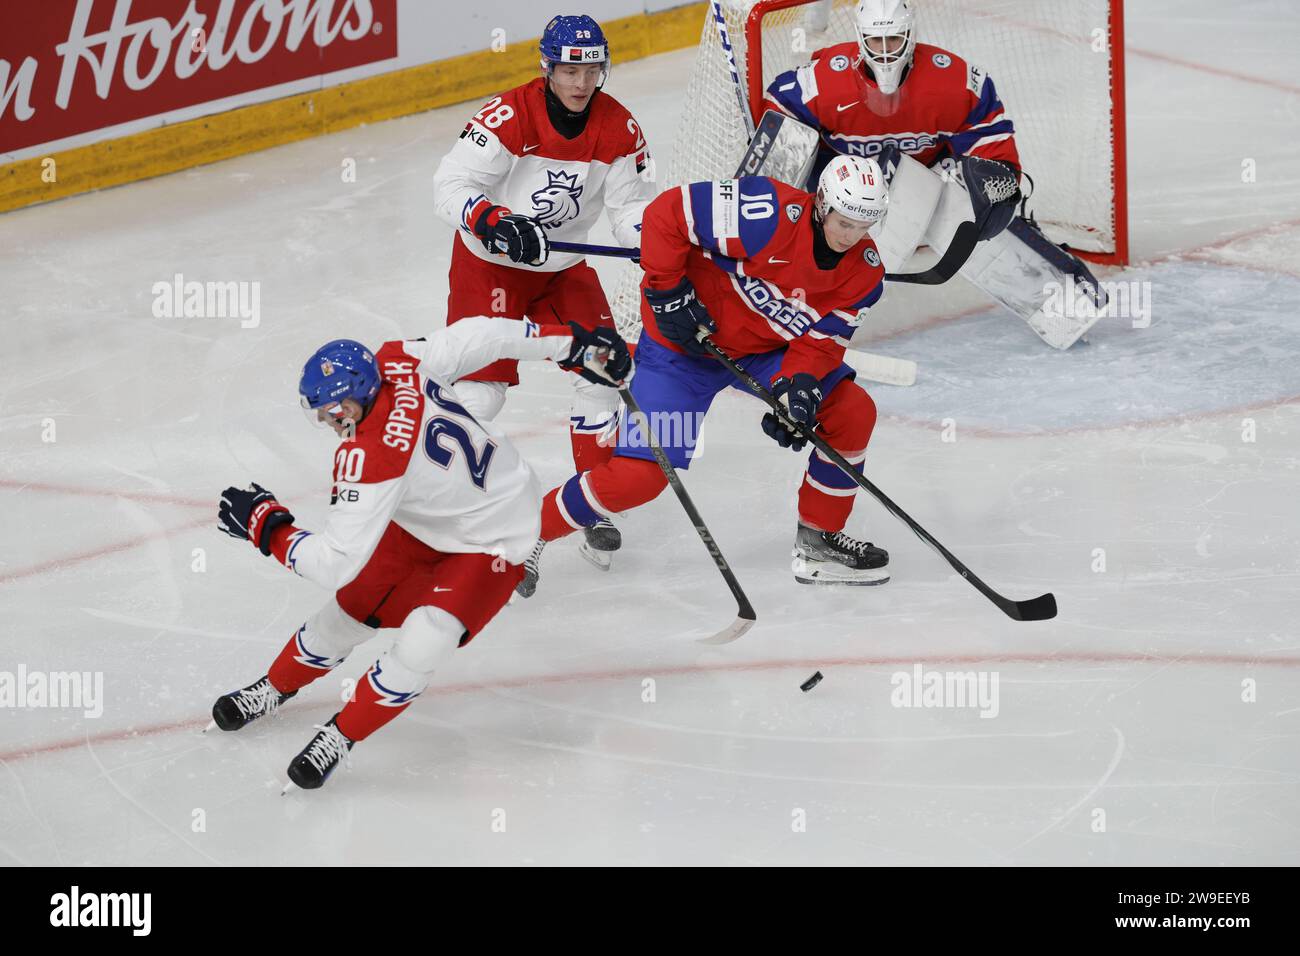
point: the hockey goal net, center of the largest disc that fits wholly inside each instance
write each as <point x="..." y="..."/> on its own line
<point x="1058" y="66"/>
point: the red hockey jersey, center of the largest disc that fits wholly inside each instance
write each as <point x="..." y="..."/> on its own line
<point x="747" y="246"/>
<point x="944" y="107"/>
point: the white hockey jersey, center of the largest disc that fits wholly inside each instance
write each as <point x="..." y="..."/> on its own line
<point x="421" y="460"/>
<point x="510" y="154"/>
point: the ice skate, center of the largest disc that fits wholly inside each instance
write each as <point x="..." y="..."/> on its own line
<point x="235" y="710"/>
<point x="528" y="586"/>
<point x="602" y="540"/>
<point x="823" y="557"/>
<point x="311" y="768"/>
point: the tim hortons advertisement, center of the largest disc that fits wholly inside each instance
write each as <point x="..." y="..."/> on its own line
<point x="71" y="66"/>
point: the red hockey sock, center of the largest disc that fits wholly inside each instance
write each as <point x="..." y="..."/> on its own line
<point x="295" y="667"/>
<point x="846" y="420"/>
<point x="620" y="485"/>
<point x="370" y="708"/>
<point x="588" y="453"/>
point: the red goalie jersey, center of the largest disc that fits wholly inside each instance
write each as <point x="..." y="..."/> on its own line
<point x="944" y="107"/>
<point x="747" y="246"/>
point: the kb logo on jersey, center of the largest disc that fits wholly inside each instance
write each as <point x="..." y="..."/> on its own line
<point x="557" y="203"/>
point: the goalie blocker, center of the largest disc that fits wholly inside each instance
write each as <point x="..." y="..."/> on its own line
<point x="1014" y="263"/>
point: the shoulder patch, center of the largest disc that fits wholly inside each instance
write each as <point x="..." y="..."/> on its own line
<point x="872" y="257"/>
<point x="839" y="63"/>
<point x="941" y="60"/>
<point x="793" y="211"/>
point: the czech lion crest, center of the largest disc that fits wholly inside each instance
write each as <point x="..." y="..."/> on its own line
<point x="557" y="202"/>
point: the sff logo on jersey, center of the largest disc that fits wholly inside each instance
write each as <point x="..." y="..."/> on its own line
<point x="557" y="202"/>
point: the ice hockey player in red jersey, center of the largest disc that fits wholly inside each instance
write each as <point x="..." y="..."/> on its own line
<point x="780" y="278"/>
<point x="884" y="94"/>
<point x="431" y="515"/>
<point x="539" y="163"/>
<point x="886" y="90"/>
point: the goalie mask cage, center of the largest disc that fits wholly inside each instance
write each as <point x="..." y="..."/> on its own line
<point x="1058" y="66"/>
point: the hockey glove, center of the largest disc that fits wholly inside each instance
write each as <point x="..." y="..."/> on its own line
<point x="252" y="514"/>
<point x="599" y="355"/>
<point x="994" y="193"/>
<point x="518" y="238"/>
<point x="800" y="396"/>
<point x="680" y="315"/>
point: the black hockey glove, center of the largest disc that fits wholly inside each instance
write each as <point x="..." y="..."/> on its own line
<point x="800" y="395"/>
<point x="680" y="315"/>
<point x="518" y="238"/>
<point x="994" y="193"/>
<point x="599" y="355"/>
<point x="252" y="514"/>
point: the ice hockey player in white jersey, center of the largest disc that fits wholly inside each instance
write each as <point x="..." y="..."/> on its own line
<point x="539" y="163"/>
<point x="431" y="515"/>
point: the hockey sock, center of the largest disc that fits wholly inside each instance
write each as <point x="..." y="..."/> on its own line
<point x="619" y="485"/>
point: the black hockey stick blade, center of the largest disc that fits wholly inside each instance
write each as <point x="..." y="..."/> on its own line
<point x="1041" y="608"/>
<point x="953" y="258"/>
<point x="745" y="616"/>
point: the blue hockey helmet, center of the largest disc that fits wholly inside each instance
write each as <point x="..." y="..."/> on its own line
<point x="336" y="371"/>
<point x="574" y="40"/>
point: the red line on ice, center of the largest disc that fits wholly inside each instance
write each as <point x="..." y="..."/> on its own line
<point x="57" y="564"/>
<point x="1230" y="660"/>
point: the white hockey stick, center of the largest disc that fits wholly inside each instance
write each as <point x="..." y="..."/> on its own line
<point x="881" y="368"/>
<point x="719" y="21"/>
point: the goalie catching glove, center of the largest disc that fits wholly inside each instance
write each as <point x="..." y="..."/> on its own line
<point x="599" y="355"/>
<point x="800" y="395"/>
<point x="518" y="238"/>
<point x="680" y="315"/>
<point x="994" y="193"/>
<point x="252" y="514"/>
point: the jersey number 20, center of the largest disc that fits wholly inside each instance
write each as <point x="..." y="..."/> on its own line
<point x="476" y="462"/>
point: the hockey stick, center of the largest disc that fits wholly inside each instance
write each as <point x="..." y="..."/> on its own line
<point x="745" y="615"/>
<point x="954" y="257"/>
<point x="1041" y="608"/>
<point x="720" y="22"/>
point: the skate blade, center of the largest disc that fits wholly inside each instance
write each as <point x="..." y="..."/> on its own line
<point x="825" y="574"/>
<point x="289" y="787"/>
<point x="597" y="559"/>
<point x="212" y="725"/>
<point x="841" y="582"/>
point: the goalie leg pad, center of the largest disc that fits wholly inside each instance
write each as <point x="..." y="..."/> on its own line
<point x="1024" y="271"/>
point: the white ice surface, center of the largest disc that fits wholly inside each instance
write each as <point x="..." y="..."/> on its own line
<point x="1129" y="703"/>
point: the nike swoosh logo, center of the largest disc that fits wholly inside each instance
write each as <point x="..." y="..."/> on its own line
<point x="778" y="262"/>
<point x="845" y="106"/>
<point x="527" y="148"/>
<point x="436" y="590"/>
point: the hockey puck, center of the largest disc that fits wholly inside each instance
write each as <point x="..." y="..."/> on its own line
<point x="811" y="682"/>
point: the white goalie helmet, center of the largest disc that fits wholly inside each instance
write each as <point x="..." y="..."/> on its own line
<point x="887" y="19"/>
<point x="855" y="188"/>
